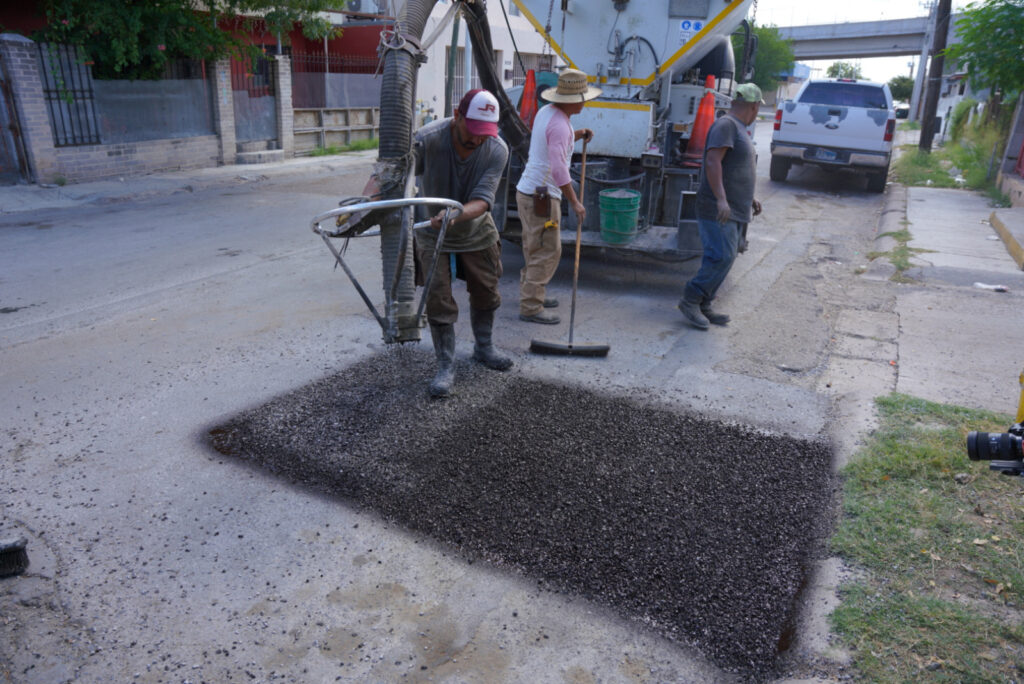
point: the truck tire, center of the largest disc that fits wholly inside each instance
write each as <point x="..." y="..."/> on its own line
<point x="876" y="181"/>
<point x="779" y="168"/>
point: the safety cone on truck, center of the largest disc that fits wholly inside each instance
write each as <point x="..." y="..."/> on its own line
<point x="694" y="154"/>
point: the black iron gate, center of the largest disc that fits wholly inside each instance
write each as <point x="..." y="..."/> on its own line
<point x="67" y="87"/>
<point x="13" y="167"/>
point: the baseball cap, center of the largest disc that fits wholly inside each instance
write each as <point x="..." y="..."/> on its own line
<point x="480" y="110"/>
<point x="749" y="92"/>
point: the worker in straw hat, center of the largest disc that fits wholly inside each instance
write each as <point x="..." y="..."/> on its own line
<point x="545" y="181"/>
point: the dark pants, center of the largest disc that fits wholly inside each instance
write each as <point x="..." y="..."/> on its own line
<point x="481" y="270"/>
<point x="719" y="241"/>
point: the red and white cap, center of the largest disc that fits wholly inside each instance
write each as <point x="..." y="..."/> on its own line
<point x="480" y="110"/>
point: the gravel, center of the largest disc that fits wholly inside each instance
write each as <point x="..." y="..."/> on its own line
<point x="700" y="530"/>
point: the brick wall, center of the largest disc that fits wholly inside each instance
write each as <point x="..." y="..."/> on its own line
<point x="92" y="162"/>
<point x="285" y="114"/>
<point x="21" y="60"/>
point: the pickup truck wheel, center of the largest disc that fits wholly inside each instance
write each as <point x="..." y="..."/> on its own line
<point x="779" y="168"/>
<point x="876" y="181"/>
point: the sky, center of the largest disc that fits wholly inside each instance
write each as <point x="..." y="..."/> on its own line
<point x="804" y="12"/>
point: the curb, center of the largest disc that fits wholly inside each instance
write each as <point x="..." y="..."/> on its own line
<point x="894" y="213"/>
<point x="22" y="198"/>
<point x="999" y="220"/>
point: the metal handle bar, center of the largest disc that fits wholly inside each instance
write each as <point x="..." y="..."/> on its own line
<point x="452" y="205"/>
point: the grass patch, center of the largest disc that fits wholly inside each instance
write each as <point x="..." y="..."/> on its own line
<point x="899" y="256"/>
<point x="354" y="146"/>
<point x="914" y="167"/>
<point x="940" y="542"/>
<point x="907" y="125"/>
<point x="969" y="160"/>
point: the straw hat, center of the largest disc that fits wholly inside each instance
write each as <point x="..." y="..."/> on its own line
<point x="572" y="87"/>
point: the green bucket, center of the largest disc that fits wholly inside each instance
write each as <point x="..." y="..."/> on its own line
<point x="620" y="212"/>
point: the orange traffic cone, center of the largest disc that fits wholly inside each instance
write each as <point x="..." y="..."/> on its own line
<point x="694" y="154"/>
<point x="528" y="103"/>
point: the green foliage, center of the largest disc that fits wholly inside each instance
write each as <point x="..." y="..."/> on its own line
<point x="774" y="56"/>
<point x="958" y="119"/>
<point x="136" y="38"/>
<point x="902" y="88"/>
<point x="354" y="146"/>
<point x="939" y="542"/>
<point x="990" y="36"/>
<point x="843" y="70"/>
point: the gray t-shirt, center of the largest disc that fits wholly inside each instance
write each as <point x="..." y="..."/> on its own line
<point x="738" y="171"/>
<point x="441" y="173"/>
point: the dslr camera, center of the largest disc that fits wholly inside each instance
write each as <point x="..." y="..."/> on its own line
<point x="1002" y="450"/>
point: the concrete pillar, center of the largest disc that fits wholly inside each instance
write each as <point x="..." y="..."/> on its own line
<point x="282" y="66"/>
<point x="21" y="57"/>
<point x="223" y="109"/>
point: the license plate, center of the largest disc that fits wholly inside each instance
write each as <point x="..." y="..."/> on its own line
<point x="825" y="155"/>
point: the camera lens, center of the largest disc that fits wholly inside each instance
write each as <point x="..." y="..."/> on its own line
<point x="994" y="446"/>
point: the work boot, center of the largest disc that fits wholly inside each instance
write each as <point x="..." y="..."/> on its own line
<point x="484" y="351"/>
<point x="691" y="311"/>
<point x="550" y="302"/>
<point x="713" y="316"/>
<point x="541" y="317"/>
<point x="444" y="349"/>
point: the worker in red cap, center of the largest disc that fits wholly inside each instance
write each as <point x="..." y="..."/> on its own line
<point x="462" y="158"/>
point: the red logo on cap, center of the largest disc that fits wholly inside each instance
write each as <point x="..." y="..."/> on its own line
<point x="487" y="108"/>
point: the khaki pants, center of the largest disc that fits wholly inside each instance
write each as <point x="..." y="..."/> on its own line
<point x="542" y="248"/>
<point x="481" y="270"/>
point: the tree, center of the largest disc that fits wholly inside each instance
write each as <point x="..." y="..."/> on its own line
<point x="844" y="70"/>
<point x="774" y="56"/>
<point x="136" y="38"/>
<point x="902" y="88"/>
<point x="990" y="35"/>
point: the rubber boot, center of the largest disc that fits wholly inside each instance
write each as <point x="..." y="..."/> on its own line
<point x="691" y="311"/>
<point x="714" y="318"/>
<point x="484" y="351"/>
<point x="444" y="349"/>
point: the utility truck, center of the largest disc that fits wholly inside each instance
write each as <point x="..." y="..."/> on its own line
<point x="651" y="58"/>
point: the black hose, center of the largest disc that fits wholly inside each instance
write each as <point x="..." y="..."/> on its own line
<point x="516" y="134"/>
<point x="394" y="170"/>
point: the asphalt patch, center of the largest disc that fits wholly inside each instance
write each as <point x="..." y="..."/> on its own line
<point x="698" y="529"/>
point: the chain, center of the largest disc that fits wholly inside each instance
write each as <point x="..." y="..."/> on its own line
<point x="547" y="29"/>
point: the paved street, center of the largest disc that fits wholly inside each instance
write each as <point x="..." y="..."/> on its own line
<point x="130" y="327"/>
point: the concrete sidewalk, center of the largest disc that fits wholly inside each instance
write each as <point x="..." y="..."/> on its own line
<point x="959" y="335"/>
<point x="26" y="197"/>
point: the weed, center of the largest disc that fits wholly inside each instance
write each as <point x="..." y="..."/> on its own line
<point x="354" y="146"/>
<point x="941" y="546"/>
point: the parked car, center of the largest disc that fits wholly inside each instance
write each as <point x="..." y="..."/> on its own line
<point x="902" y="110"/>
<point x="836" y="123"/>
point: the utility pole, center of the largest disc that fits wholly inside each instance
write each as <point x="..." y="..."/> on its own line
<point x="934" y="84"/>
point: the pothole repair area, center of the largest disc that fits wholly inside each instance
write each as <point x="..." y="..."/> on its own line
<point x="701" y="530"/>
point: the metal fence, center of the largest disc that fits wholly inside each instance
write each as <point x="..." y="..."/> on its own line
<point x="254" y="95"/>
<point x="70" y="100"/>
<point x="331" y="81"/>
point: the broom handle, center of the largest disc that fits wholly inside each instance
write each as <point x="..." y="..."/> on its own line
<point x="579" y="235"/>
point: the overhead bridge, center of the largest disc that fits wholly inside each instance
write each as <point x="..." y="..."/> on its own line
<point x="887" y="38"/>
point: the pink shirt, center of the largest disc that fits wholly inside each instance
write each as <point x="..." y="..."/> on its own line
<point x="550" y="152"/>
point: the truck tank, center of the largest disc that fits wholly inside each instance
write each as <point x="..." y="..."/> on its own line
<point x="651" y="59"/>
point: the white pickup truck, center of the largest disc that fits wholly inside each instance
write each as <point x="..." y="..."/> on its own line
<point x="836" y="123"/>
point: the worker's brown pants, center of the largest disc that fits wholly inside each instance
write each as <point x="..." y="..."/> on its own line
<point x="542" y="248"/>
<point x="481" y="270"/>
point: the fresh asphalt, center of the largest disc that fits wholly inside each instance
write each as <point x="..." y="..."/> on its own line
<point x="139" y="314"/>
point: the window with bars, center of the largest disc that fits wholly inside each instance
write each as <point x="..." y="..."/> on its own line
<point x="530" y="61"/>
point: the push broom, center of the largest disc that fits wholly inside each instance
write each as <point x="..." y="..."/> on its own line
<point x="573" y="348"/>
